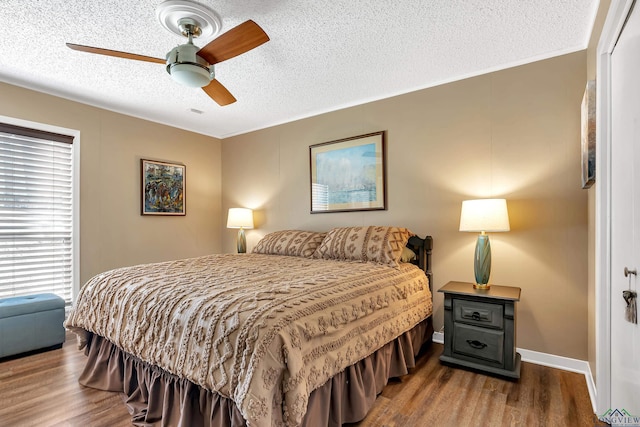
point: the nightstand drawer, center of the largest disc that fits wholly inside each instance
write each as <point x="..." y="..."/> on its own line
<point x="478" y="313"/>
<point x="479" y="343"/>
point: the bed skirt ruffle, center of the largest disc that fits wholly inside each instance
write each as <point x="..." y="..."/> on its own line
<point x="155" y="397"/>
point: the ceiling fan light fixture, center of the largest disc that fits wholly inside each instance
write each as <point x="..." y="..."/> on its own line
<point x="191" y="75"/>
<point x="187" y="68"/>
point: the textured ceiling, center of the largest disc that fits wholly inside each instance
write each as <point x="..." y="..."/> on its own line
<point x="323" y="54"/>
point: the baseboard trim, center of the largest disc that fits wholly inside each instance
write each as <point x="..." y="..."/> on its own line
<point x="564" y="363"/>
<point x="552" y="361"/>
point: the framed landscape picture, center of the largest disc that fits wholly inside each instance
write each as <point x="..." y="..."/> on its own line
<point x="163" y="188"/>
<point x="348" y="174"/>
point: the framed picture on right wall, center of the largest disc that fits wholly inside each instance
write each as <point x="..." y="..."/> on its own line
<point x="588" y="135"/>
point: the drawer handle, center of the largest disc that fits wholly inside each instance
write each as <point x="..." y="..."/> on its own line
<point x="476" y="316"/>
<point x="476" y="344"/>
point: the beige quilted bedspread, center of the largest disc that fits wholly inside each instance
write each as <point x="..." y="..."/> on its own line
<point x="263" y="330"/>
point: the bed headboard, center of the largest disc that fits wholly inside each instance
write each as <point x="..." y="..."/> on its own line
<point x="422" y="248"/>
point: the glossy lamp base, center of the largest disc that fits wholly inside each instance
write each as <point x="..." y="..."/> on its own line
<point x="242" y="241"/>
<point x="482" y="262"/>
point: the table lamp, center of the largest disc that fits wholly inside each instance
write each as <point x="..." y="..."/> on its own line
<point x="240" y="218"/>
<point x="483" y="215"/>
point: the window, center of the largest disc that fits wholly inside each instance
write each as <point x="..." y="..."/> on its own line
<point x="36" y="207"/>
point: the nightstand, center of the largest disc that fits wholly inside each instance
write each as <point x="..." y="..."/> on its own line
<point x="480" y="328"/>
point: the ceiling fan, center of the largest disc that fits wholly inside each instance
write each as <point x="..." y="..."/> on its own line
<point x="187" y="63"/>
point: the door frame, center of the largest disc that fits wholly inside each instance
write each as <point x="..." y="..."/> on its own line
<point x="614" y="23"/>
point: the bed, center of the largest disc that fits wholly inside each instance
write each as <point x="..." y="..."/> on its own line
<point x="305" y="330"/>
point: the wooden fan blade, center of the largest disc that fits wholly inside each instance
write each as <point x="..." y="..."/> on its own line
<point x="234" y="42"/>
<point x="219" y="93"/>
<point x="115" y="53"/>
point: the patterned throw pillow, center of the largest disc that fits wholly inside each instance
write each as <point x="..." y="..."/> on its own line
<point x="290" y="242"/>
<point x="376" y="244"/>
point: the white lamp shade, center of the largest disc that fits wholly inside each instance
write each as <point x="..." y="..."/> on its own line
<point x="484" y="215"/>
<point x="240" y="218"/>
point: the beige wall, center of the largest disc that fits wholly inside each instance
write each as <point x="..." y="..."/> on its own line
<point x="512" y="134"/>
<point x="112" y="231"/>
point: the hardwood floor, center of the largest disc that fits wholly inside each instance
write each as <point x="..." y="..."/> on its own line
<point x="437" y="395"/>
<point x="42" y="390"/>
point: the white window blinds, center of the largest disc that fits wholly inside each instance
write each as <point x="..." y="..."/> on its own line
<point x="35" y="212"/>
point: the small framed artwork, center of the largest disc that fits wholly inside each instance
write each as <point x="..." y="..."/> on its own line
<point x="588" y="135"/>
<point x="349" y="174"/>
<point x="163" y="188"/>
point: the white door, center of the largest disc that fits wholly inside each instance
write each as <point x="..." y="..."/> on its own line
<point x="625" y="213"/>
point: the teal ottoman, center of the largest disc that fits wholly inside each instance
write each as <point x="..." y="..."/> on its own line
<point x="31" y="322"/>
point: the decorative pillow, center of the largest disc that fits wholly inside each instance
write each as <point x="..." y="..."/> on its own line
<point x="407" y="255"/>
<point x="376" y="244"/>
<point x="290" y="242"/>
